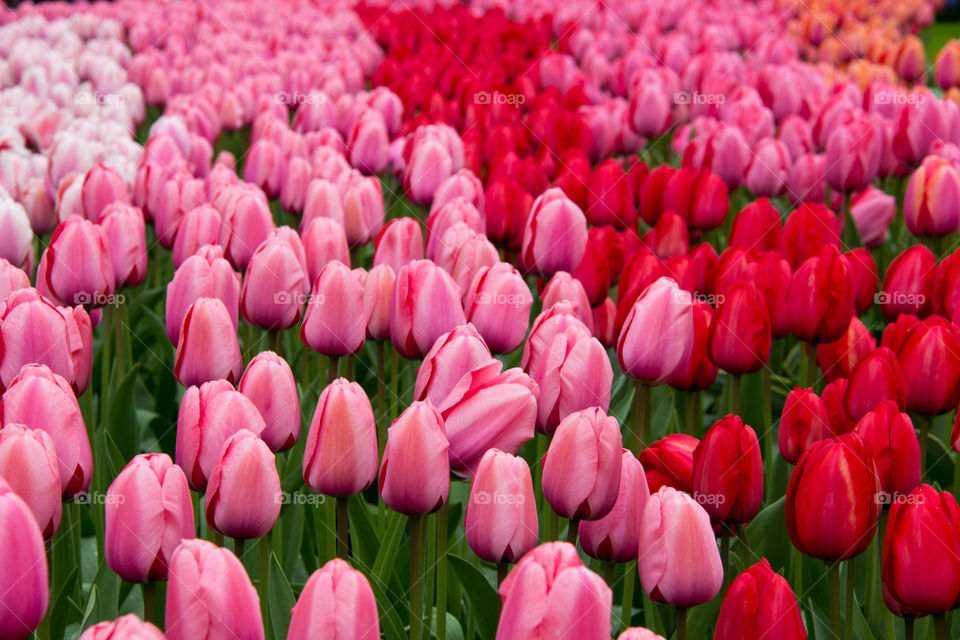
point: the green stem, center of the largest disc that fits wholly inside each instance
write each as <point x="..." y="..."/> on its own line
<point x="811" y="364"/>
<point x="442" y="518"/>
<point x="218" y="538"/>
<point x="572" y="528"/>
<point x="681" y="623"/>
<point x="923" y="422"/>
<point x="343" y="529"/>
<point x="149" y="602"/>
<point x="833" y="575"/>
<point x="105" y="363"/>
<point x="416" y="577"/>
<point x="641" y="415"/>
<point x="553" y="524"/>
<point x="275" y="340"/>
<point x="629" y="579"/>
<point x="735" y="394"/>
<point x="690" y="401"/>
<point x="907" y="628"/>
<point x="238" y="547"/>
<point x="609" y="573"/>
<point x="851" y="583"/>
<point x="331" y="527"/>
<point x="332" y="372"/>
<point x="503" y="569"/>
<point x="940" y="626"/>
<point x="770" y="439"/>
<point x="851" y="237"/>
<point x="265" y="579"/>
<point x="725" y="555"/>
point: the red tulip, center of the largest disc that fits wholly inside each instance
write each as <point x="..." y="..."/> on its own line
<point x="610" y="196"/>
<point x="837" y="359"/>
<point x="669" y="462"/>
<point x="804" y="422"/>
<point x="760" y="604"/>
<point x="28" y="463"/>
<point x="863" y="268"/>
<point x="506" y="207"/>
<point x="728" y="471"/>
<point x="909" y="284"/>
<point x="876" y="378"/>
<point x="772" y="276"/>
<point x="757" y="226"/>
<point x="669" y="237"/>
<point x="415" y="470"/>
<point x="933" y="340"/>
<point x="739" y="340"/>
<point x="891" y="436"/>
<point x="501" y="518"/>
<point x="820" y="298"/>
<point x="807" y="229"/>
<point x="700" y="372"/>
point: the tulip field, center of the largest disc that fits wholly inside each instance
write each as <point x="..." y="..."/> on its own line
<point x="480" y="320"/>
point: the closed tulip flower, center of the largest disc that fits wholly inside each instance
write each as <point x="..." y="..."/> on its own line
<point x="369" y="142"/>
<point x="767" y="173"/>
<point x="204" y="275"/>
<point x="601" y="263"/>
<point x="837" y="480"/>
<point x="669" y="462"/>
<point x="324" y="241"/>
<point x="128" y="626"/>
<point x="807" y="229"/>
<point x="876" y="379"/>
<point x="581" y="471"/>
<point x="415" y="470"/>
<point x="200" y="226"/>
<point x="562" y="287"/>
<point x="757" y="226"/>
<point x="123" y="228"/>
<point x="462" y="184"/>
<point x="932" y="340"/>
<point x="102" y="186"/>
<point x="208" y="416"/>
<point x="247" y="222"/>
<point x="760" y="604"/>
<point x="336" y="603"/>
<point x="271" y="297"/>
<point x="506" y="205"/>
<point x="208" y="348"/>
<point x="362" y="207"/>
<point x="501" y="517"/>
<point x="669" y="237"/>
<point x="453" y="355"/>
<point x="891" y="436"/>
<point x="24" y="591"/>
<point x="946" y="67"/>
<point x="679" y="561"/>
<point x="820" y="298"/>
<point x="341" y="450"/>
<point x="865" y="280"/>
<point x="638" y="633"/>
<point x="837" y="359"/>
<point x="425" y="304"/>
<point x="921" y="552"/>
<point x="728" y="471"/>
<point x="148" y="513"/>
<point x="931" y="206"/>
<point x="28" y="462"/>
<point x="555" y="235"/>
<point x="330" y="324"/>
<point x="909" y="284"/>
<point x="176" y="194"/>
<point x="872" y="211"/>
<point x="243" y="491"/>
<point x="498" y="304"/>
<point x="832" y="396"/>
<point x="804" y="421"/>
<point x="11" y="279"/>
<point x="40" y="399"/>
<point x="657" y="335"/>
<point x="268" y="383"/>
<point x="400" y="242"/>
<point x="615" y="537"/>
<point x="550" y="594"/>
<point x="16" y="245"/>
<point x="76" y="268"/>
<point x="699" y="372"/>
<point x="853" y="153"/>
<point x="210" y="595"/>
<point x="377" y="291"/>
<point x="739" y="340"/>
<point x="610" y="196"/>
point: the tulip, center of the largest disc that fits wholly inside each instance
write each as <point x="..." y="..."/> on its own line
<point x="461" y="252"/>
<point x="11" y="279"/>
<point x="931" y="340"/>
<point x="200" y="226"/>
<point x="362" y="207"/>
<point x="102" y="186"/>
<point x="275" y="281"/>
<point x="247" y="222"/>
<point x="669" y="462"/>
<point x="208" y="348"/>
<point x="452" y="356"/>
<point x="921" y="552"/>
<point x="76" y="267"/>
<point x="581" y="471"/>
<point x="268" y="383"/>
<point x="506" y="205"/>
<point x="601" y="263"/>
<point x="562" y="287"/>
<point x="128" y="626"/>
<point x="837" y="479"/>
<point x="669" y="236"/>
<point x="176" y="194"/>
<point x="872" y="211"/>
<point x="931" y="206"/>
<point x="757" y="226"/>
<point x="462" y="184"/>
<point x="946" y="67"/>
<point x="864" y="271"/>
<point x="651" y="193"/>
<point x="123" y="228"/>
<point x="336" y="603"/>
<point x="24" y="591"/>
<point x="837" y="359"/>
<point x="324" y="241"/>
<point x="610" y="196"/>
<point x="896" y="449"/>
<point x="208" y="416"/>
<point x="615" y="537"/>
<point x="210" y="595"/>
<point x="425" y="304"/>
<point x="760" y="604"/>
<point x="739" y="340"/>
<point x="804" y="421"/>
<point x="555" y="235"/>
<point x="501" y="517"/>
<point x="876" y="378"/>
<point x="919" y="126"/>
<point x="415" y="470"/>
<point x="909" y="284"/>
<point x="204" y="275"/>
<point x="377" y="291"/>
<point x="369" y="142"/>
<point x="650" y="105"/>
<point x="399" y="243"/>
<point x="657" y="336"/>
<point x="28" y="463"/>
<point x="40" y="399"/>
<point x="679" y="562"/>
<point x="430" y="162"/>
<point x="699" y="372"/>
<point x="498" y="304"/>
<point x="820" y="298"/>
<point x="16" y="245"/>
<point x="243" y="490"/>
<point x="853" y="153"/>
<point x="330" y="324"/>
<point x="806" y="230"/>
<point x="728" y="471"/>
<point x="550" y="594"/>
<point x="767" y="173"/>
<point x="148" y="513"/>
<point x="638" y="633"/>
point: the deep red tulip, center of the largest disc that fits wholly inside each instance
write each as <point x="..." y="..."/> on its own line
<point x="917" y="344"/>
<point x="837" y="359"/>
<point x="760" y="604"/>
<point x="806" y="230"/>
<point x="891" y="435"/>
<point x="757" y="226"/>
<point x="820" y="298"/>
<point x="804" y="422"/>
<point x="728" y="471"/>
<point x="669" y="462"/>
<point x="876" y="378"/>
<point x="700" y="372"/>
<point x="909" y="284"/>
<point x="739" y="340"/>
<point x="863" y="268"/>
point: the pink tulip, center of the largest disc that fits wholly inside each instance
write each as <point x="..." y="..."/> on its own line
<point x="462" y="184"/>
<point x="16" y="236"/>
<point x="452" y="356"/>
<point x="550" y="594"/>
<point x="176" y="195"/>
<point x="208" y="416"/>
<point x="123" y="227"/>
<point x="555" y="234"/>
<point x="341" y="450"/>
<point x="129" y="627"/>
<point x="425" y="305"/>
<point x="501" y="518"/>
<point x="615" y="536"/>
<point x="324" y="241"/>
<point x="872" y="211"/>
<point x="295" y="181"/>
<point x="415" y="470"/>
<point x="679" y="561"/>
<point x="330" y="324"/>
<point x="243" y="491"/>
<point x="369" y="142"/>
<point x="24" y="591"/>
<point x="76" y="268"/>
<point x="268" y="383"/>
<point x="273" y="287"/>
<point x="148" y="513"/>
<point x="40" y="399"/>
<point x="931" y="206"/>
<point x="208" y="348"/>
<point x="362" y="207"/>
<point x="28" y="462"/>
<point x="853" y="153"/>
<point x="336" y="603"/>
<point x="11" y="279"/>
<point x="399" y="243"/>
<point x="456" y="211"/>
<point x="210" y="595"/>
<point x="264" y="167"/>
<point x="638" y="633"/>
<point x="102" y="186"/>
<point x="204" y="275"/>
<point x="498" y="303"/>
<point x="767" y="173"/>
<point x="377" y="291"/>
<point x="657" y="336"/>
<point x="581" y="471"/>
<point x="562" y="287"/>
<point x="200" y="226"/>
<point x="247" y="222"/>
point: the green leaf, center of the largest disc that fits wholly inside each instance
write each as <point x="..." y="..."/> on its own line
<point x="383" y="565"/>
<point x="291" y="527"/>
<point x="107" y="584"/>
<point x="91" y="614"/>
<point x="481" y="595"/>
<point x="63" y="607"/>
<point x="768" y="536"/>
<point x="363" y="536"/>
<point x="280" y="599"/>
<point x="122" y="419"/>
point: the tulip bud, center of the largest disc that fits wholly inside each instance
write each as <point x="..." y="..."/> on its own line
<point x="853" y="153"/>
<point x="610" y="196"/>
<point x="362" y="207"/>
<point x="551" y="591"/>
<point x="268" y="383"/>
<point x="28" y="463"/>
<point x="208" y="416"/>
<point x="330" y="325"/>
<point x="638" y="633"/>
<point x="863" y="268"/>
<point x="399" y="243"/>
<point x="102" y="186"/>
<point x="498" y="304"/>
<point x="243" y="491"/>
<point x="16" y="245"/>
<point x="896" y="449"/>
<point x="679" y="561"/>
<point x="455" y="212"/>
<point x="739" y="339"/>
<point x="806" y="230"/>
<point x="204" y="275"/>
<point x="76" y="267"/>
<point x="273" y="286"/>
<point x="129" y="627"/>
<point x="932" y="340"/>
<point x="415" y="470"/>
<point x="820" y="298"/>
<point x="931" y="206"/>
<point x="909" y="284"/>
<point x="210" y="594"/>
<point x="767" y="173"/>
<point x="876" y="378"/>
<point x="757" y="226"/>
<point x="247" y="222"/>
<point x="177" y="193"/>
<point x="452" y="356"/>
<point x="669" y="462"/>
<point x="728" y="471"/>
<point x="12" y="279"/>
<point x="837" y="359"/>
<point x="699" y="372"/>
<point x="324" y="241"/>
<point x="760" y="604"/>
<point x="657" y="335"/>
<point x="123" y="228"/>
<point x="584" y="491"/>
<point x="337" y="603"/>
<point x="208" y="348"/>
<point x="501" y="518"/>
<point x="872" y="211"/>
<point x="425" y="304"/>
<point x="555" y="235"/>
<point x="804" y="421"/>
<point x="148" y="513"/>
<point x="377" y="291"/>
<point x="24" y="591"/>
<point x="616" y="536"/>
<point x="837" y="479"/>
